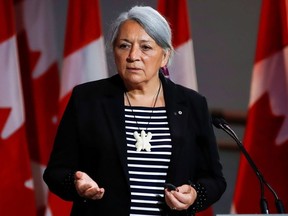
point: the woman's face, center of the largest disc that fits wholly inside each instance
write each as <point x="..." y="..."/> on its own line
<point x="137" y="56"/>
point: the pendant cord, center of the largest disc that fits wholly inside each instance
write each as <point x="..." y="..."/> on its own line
<point x="156" y="98"/>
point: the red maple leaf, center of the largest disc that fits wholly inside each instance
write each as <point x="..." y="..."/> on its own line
<point x="260" y="135"/>
<point x="4" y="113"/>
<point x="13" y="151"/>
<point x="41" y="109"/>
<point x="41" y="101"/>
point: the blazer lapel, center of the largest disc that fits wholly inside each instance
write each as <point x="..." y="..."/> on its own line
<point x="177" y="112"/>
<point x="114" y="110"/>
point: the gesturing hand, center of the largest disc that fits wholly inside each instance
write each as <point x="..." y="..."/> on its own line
<point x="181" y="198"/>
<point x="87" y="187"/>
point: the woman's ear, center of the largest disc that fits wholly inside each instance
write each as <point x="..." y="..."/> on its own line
<point x="166" y="57"/>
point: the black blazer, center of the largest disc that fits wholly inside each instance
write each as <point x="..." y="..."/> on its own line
<point x="91" y="138"/>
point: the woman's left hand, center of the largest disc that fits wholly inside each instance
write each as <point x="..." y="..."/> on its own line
<point x="181" y="198"/>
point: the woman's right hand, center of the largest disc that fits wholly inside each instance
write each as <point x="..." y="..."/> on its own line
<point x="87" y="187"/>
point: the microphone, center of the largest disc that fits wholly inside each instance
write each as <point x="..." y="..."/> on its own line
<point x="222" y="124"/>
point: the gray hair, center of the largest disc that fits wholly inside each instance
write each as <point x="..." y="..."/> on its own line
<point x="152" y="22"/>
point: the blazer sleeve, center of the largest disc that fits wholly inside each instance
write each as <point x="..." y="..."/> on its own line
<point x="59" y="174"/>
<point x="210" y="183"/>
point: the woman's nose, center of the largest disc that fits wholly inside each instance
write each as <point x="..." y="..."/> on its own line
<point x="133" y="54"/>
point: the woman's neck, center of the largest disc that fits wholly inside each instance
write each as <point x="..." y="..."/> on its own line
<point x="148" y="97"/>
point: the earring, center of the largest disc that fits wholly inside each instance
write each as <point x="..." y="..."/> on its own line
<point x="165" y="71"/>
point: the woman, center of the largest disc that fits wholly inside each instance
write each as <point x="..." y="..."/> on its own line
<point x="122" y="138"/>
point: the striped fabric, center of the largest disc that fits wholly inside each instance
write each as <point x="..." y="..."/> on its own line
<point x="147" y="170"/>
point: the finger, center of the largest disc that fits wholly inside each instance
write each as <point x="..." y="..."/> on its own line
<point x="82" y="188"/>
<point x="184" y="188"/>
<point x="83" y="178"/>
<point x="99" y="194"/>
<point x="78" y="175"/>
<point x="170" y="199"/>
<point x="178" y="200"/>
<point x="186" y="198"/>
<point x="92" y="192"/>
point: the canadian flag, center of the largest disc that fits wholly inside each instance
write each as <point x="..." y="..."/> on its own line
<point x="84" y="52"/>
<point x="182" y="69"/>
<point x="17" y="192"/>
<point x="266" y="134"/>
<point x="40" y="78"/>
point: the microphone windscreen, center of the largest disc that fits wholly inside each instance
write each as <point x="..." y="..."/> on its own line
<point x="216" y="122"/>
<point x="223" y="121"/>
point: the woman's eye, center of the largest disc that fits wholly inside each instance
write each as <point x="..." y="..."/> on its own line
<point x="145" y="47"/>
<point x="124" y="46"/>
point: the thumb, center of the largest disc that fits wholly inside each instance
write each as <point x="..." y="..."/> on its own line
<point x="78" y="175"/>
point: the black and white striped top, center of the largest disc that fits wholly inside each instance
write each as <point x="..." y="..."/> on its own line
<point x="147" y="170"/>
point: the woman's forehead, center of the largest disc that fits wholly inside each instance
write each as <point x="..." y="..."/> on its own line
<point x="130" y="30"/>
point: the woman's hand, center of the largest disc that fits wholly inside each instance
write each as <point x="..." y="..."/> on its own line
<point x="87" y="187"/>
<point x="181" y="198"/>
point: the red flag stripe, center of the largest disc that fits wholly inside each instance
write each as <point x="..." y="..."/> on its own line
<point x="16" y="184"/>
<point x="182" y="69"/>
<point x="180" y="24"/>
<point x="273" y="28"/>
<point x="6" y="20"/>
<point x="80" y="12"/>
<point x="40" y="77"/>
<point x="84" y="55"/>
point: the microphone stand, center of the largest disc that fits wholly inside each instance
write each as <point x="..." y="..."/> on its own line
<point x="222" y="124"/>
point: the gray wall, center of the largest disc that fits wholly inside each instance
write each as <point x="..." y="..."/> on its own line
<point x="224" y="35"/>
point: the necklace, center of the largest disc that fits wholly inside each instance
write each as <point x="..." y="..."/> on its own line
<point x="143" y="139"/>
